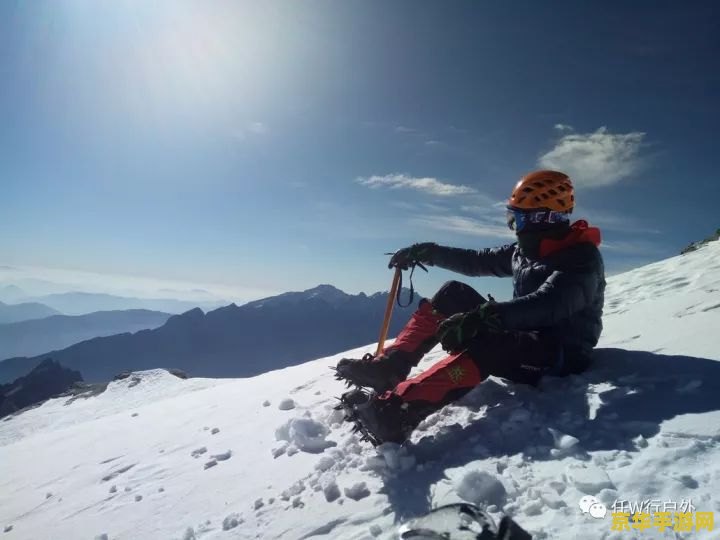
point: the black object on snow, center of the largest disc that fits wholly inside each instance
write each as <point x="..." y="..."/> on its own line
<point x="47" y="380"/>
<point x="461" y="521"/>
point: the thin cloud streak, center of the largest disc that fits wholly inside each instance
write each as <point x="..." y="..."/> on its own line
<point x="596" y="159"/>
<point x="496" y="208"/>
<point x="632" y="247"/>
<point x="251" y="129"/>
<point x="614" y="222"/>
<point x="464" y="225"/>
<point x="429" y="185"/>
<point x="405" y="130"/>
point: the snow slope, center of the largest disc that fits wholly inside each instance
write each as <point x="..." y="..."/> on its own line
<point x="157" y="457"/>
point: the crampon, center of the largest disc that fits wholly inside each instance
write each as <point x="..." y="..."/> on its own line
<point x="348" y="402"/>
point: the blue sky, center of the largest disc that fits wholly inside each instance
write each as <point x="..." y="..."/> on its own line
<point x="275" y="146"/>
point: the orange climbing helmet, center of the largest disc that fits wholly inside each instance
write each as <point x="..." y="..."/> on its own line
<point x="551" y="190"/>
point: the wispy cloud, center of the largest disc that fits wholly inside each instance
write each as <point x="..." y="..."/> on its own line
<point x="420" y="207"/>
<point x="465" y="225"/>
<point x="257" y="127"/>
<point x="485" y="205"/>
<point x="251" y="129"/>
<point x="563" y="127"/>
<point x="406" y="130"/>
<point x="608" y="220"/>
<point x="429" y="185"/>
<point x="36" y="281"/>
<point x="634" y="247"/>
<point x="434" y="143"/>
<point x="596" y="159"/>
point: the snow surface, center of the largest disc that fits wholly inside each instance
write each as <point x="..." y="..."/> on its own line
<point x="210" y="459"/>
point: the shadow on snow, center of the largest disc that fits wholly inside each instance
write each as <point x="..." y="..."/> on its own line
<point x="625" y="394"/>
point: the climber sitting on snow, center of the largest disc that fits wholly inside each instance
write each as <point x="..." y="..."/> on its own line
<point x="549" y="327"/>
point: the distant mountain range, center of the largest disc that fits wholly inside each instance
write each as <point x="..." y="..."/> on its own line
<point x="10" y="313"/>
<point x="12" y="294"/>
<point x="80" y="303"/>
<point x="233" y="341"/>
<point x="32" y="337"/>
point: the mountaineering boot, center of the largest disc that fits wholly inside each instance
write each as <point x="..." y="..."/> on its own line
<point x="393" y="365"/>
<point x="388" y="418"/>
<point x="393" y="416"/>
<point x="381" y="373"/>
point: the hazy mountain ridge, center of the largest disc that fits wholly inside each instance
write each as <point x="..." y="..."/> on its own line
<point x="81" y="303"/>
<point x="10" y="313"/>
<point x="12" y="294"/>
<point x="232" y="341"/>
<point x="37" y="336"/>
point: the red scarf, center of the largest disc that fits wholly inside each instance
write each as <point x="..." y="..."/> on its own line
<point x="580" y="232"/>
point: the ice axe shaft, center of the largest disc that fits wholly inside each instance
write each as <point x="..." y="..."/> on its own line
<point x="388" y="311"/>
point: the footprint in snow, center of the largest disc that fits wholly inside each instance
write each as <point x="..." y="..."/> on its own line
<point x="357" y="491"/>
<point x="286" y="404"/>
<point x="214" y="431"/>
<point x="231" y="521"/>
<point x="198" y="452"/>
<point x="296" y="489"/>
<point x="330" y="488"/>
<point x="222" y="457"/>
<point x="210" y="464"/>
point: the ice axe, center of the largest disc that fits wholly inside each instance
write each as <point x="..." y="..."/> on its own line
<point x="395" y="294"/>
<point x="397" y="277"/>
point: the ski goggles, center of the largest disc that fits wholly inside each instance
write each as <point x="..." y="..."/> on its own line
<point x="519" y="220"/>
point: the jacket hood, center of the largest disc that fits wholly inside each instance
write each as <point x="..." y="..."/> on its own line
<point x="579" y="232"/>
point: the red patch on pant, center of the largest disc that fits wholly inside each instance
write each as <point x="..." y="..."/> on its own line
<point x="452" y="372"/>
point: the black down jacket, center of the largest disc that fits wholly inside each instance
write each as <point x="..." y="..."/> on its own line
<point x="561" y="294"/>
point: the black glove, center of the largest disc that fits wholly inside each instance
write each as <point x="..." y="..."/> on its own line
<point x="405" y="257"/>
<point x="456" y="332"/>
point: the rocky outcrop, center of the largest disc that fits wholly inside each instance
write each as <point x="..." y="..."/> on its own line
<point x="697" y="245"/>
<point x="47" y="380"/>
